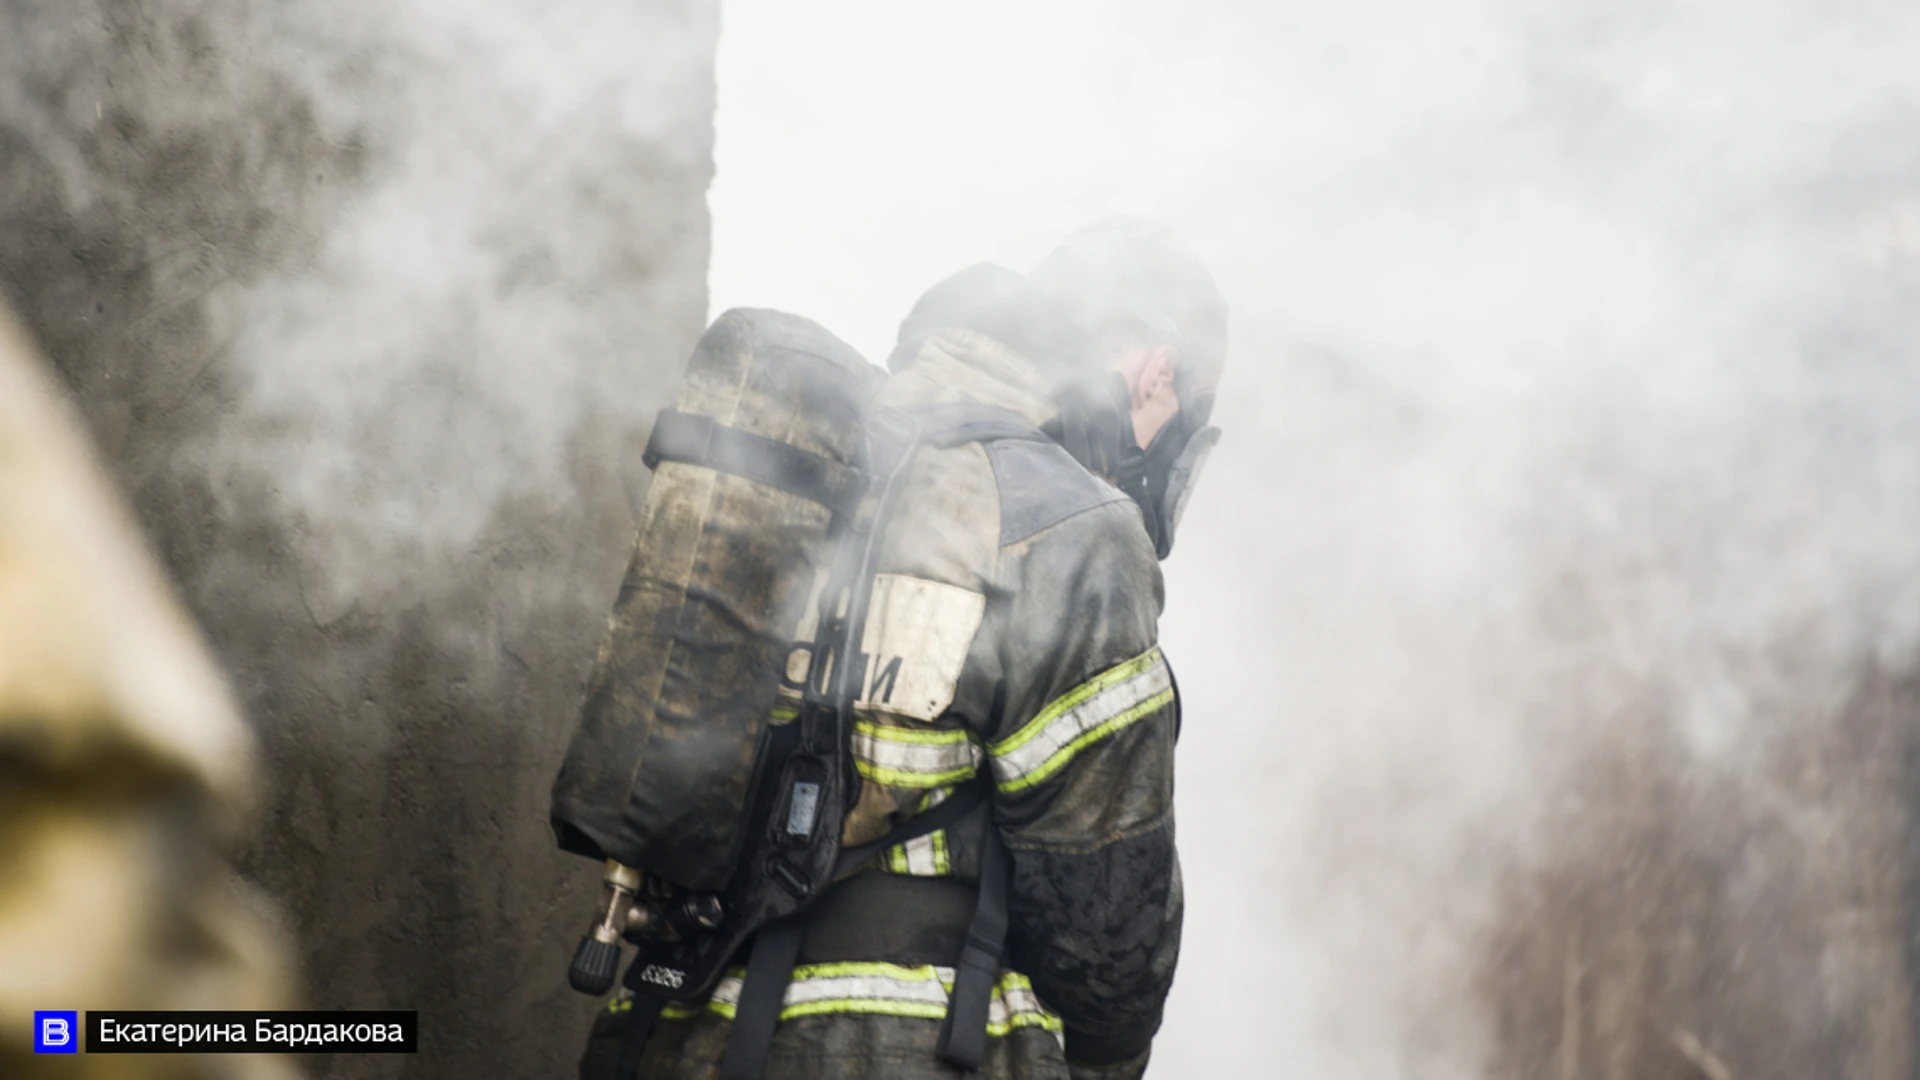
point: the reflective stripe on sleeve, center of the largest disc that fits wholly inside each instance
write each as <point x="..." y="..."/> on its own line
<point x="913" y="757"/>
<point x="923" y="856"/>
<point x="1097" y="708"/>
<point x="882" y="990"/>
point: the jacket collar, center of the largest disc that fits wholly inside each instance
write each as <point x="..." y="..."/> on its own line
<point x="954" y="366"/>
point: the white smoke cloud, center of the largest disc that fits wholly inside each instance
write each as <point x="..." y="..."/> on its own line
<point x="1573" y="367"/>
<point x="477" y="321"/>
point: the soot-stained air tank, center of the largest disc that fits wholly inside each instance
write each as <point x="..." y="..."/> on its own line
<point x="661" y="765"/>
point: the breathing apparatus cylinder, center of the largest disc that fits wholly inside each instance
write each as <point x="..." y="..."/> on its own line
<point x="757" y="470"/>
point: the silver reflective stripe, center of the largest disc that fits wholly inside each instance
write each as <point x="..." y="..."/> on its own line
<point x="861" y="987"/>
<point x="919" y="856"/>
<point x="1013" y="1000"/>
<point x="888" y="990"/>
<point x="914" y="757"/>
<point x="923" y="856"/>
<point x="1097" y="708"/>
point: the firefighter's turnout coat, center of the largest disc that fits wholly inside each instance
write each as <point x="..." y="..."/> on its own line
<point x="1012" y="630"/>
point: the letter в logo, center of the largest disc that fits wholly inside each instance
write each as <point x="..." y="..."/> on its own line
<point x="56" y="1032"/>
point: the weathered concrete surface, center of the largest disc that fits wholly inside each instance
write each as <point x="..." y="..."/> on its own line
<point x="367" y="305"/>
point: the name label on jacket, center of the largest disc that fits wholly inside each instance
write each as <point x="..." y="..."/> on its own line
<point x="913" y="649"/>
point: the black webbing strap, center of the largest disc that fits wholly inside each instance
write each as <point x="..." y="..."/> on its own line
<point x="777" y="946"/>
<point x="699" y="440"/>
<point x="646" y="1009"/>
<point x="963" y="1038"/>
<point x="945" y="815"/>
<point x="903" y="919"/>
<point x="693" y="439"/>
<point x="762" y="994"/>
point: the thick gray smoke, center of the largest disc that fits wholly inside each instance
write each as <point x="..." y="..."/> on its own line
<point x="1542" y="620"/>
<point x="368" y="305"/>
<point x="488" y="302"/>
<point x="1547" y="622"/>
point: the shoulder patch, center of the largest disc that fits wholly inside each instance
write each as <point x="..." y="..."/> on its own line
<point x="915" y="646"/>
<point x="1041" y="485"/>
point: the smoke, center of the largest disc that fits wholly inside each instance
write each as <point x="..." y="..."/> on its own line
<point x="1547" y="619"/>
<point x="450" y="281"/>
<point x="485" y="315"/>
<point x="367" y="305"/>
<point x="1559" y="568"/>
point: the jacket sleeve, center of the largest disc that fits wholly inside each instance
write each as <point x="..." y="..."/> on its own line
<point x="1083" y="772"/>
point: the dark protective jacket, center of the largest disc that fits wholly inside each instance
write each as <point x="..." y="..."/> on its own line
<point x="1012" y="629"/>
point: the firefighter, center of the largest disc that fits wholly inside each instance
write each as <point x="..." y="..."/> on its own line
<point x="1012" y="633"/>
<point x="123" y="764"/>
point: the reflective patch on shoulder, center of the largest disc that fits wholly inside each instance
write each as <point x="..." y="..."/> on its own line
<point x="916" y="641"/>
<point x="1041" y="485"/>
<point x="915" y="644"/>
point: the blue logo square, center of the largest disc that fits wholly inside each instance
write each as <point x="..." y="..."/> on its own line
<point x="56" y="1032"/>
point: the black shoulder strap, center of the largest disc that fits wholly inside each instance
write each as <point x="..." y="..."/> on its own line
<point x="762" y="995"/>
<point x="699" y="440"/>
<point x="646" y="1010"/>
<point x="945" y="815"/>
<point x="693" y="439"/>
<point x="963" y="1038"/>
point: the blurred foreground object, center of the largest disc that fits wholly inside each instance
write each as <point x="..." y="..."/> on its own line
<point x="122" y="763"/>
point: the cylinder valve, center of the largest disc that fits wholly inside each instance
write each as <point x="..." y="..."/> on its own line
<point x="597" y="958"/>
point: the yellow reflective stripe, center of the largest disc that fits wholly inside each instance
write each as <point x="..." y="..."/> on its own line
<point x="1021" y="1006"/>
<point x="1119" y="673"/>
<point x="906" y="779"/>
<point x="942" y="866"/>
<point x="936" y="842"/>
<point x="923" y="856"/>
<point x="921" y="736"/>
<point x="673" y="1010"/>
<point x="1020" y="1020"/>
<point x="913" y="757"/>
<point x="880" y="989"/>
<point x="784" y="713"/>
<point x="1099" y="707"/>
<point x="1066" y="753"/>
<point x="870" y="969"/>
<point x="924" y="1010"/>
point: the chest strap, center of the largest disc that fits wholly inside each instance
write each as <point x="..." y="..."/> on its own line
<point x="776" y="949"/>
<point x="693" y="439"/>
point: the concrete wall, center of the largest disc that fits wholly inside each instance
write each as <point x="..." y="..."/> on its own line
<point x="367" y="305"/>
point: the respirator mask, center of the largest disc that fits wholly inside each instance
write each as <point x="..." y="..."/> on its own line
<point x="1095" y="426"/>
<point x="1171" y="464"/>
<point x="1133" y="277"/>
